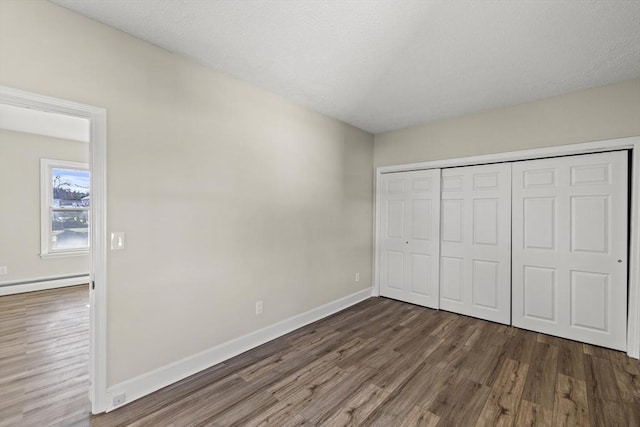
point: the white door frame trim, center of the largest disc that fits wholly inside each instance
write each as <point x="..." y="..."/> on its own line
<point x="631" y="143"/>
<point x="98" y="270"/>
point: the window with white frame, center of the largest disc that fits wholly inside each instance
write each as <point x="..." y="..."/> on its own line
<point x="65" y="208"/>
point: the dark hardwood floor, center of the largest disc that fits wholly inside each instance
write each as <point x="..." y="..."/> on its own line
<point x="381" y="362"/>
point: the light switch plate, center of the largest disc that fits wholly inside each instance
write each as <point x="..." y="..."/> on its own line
<point x="117" y="241"/>
<point x="3" y="269"/>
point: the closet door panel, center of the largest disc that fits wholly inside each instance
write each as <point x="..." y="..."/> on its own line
<point x="476" y="241"/>
<point x="410" y="234"/>
<point x="570" y="247"/>
<point x="452" y="277"/>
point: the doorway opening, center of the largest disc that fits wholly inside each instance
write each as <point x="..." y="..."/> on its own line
<point x="73" y="219"/>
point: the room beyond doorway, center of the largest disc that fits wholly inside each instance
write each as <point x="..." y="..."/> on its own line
<point x="95" y="119"/>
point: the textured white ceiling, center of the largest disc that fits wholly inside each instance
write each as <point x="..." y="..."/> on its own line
<point x="388" y="64"/>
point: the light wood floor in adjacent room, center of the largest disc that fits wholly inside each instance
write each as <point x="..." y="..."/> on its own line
<point x="381" y="362"/>
<point x="44" y="356"/>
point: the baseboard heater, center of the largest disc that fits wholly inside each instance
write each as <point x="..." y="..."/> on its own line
<point x="39" y="284"/>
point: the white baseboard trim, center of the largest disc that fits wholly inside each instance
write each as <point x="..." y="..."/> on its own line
<point x="145" y="384"/>
<point x="42" y="285"/>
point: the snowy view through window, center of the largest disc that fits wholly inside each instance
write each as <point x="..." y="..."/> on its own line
<point x="70" y="209"/>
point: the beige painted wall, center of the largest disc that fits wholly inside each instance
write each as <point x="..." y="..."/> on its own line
<point x="606" y="112"/>
<point x="228" y="194"/>
<point x="20" y="155"/>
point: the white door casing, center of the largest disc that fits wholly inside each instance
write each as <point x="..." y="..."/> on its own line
<point x="409" y="236"/>
<point x="475" y="268"/>
<point x="570" y="247"/>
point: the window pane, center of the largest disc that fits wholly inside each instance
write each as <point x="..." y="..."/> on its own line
<point x="70" y="229"/>
<point x="70" y="187"/>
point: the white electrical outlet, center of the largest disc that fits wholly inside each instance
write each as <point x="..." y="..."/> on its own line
<point x="259" y="307"/>
<point x="357" y="277"/>
<point x="3" y="269"/>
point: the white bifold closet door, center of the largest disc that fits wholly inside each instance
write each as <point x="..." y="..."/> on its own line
<point x="475" y="263"/>
<point x="409" y="219"/>
<point x="570" y="247"/>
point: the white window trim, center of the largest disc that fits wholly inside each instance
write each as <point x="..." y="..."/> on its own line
<point x="46" y="202"/>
